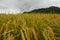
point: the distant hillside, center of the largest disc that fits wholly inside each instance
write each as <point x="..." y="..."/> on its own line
<point x="51" y="9"/>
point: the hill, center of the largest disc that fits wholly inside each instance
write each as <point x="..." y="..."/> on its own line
<point x="51" y="9"/>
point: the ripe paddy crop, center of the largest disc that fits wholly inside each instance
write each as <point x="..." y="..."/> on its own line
<point x="30" y="26"/>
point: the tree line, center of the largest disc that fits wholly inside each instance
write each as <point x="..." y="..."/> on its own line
<point x="51" y="9"/>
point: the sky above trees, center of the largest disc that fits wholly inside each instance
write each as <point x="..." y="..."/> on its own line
<point x="26" y="5"/>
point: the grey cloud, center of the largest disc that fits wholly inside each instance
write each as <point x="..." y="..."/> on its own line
<point x="26" y="5"/>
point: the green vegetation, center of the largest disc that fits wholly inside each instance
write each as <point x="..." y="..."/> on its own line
<point x="30" y="26"/>
<point x="51" y="9"/>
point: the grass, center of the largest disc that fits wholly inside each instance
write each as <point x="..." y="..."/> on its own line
<point x="29" y="26"/>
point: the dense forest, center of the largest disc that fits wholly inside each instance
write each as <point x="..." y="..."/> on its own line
<point x="51" y="9"/>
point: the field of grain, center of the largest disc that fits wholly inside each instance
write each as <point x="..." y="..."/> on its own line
<point x="30" y="26"/>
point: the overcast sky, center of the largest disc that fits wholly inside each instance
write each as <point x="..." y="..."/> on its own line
<point x="25" y="5"/>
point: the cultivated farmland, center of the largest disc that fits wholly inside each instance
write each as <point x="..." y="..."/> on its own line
<point x="30" y="26"/>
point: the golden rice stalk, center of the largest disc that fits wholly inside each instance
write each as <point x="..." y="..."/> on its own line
<point x="51" y="33"/>
<point x="34" y="33"/>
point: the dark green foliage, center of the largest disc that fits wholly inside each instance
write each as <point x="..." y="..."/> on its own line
<point x="51" y="9"/>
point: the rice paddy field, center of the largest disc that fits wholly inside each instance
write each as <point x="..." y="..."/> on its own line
<point x="30" y="26"/>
